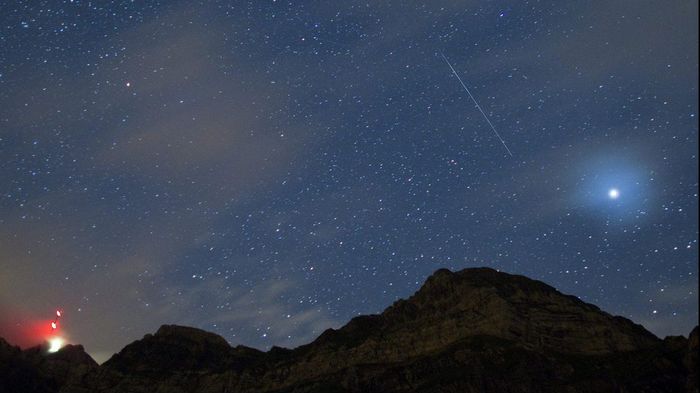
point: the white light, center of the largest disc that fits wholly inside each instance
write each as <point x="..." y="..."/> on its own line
<point x="614" y="193"/>
<point x="55" y="344"/>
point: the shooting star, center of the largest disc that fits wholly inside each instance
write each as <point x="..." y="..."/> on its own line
<point x="477" y="104"/>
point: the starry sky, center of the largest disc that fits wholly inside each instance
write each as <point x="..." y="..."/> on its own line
<point x="266" y="170"/>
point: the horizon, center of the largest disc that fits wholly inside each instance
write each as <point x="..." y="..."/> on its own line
<point x="46" y="344"/>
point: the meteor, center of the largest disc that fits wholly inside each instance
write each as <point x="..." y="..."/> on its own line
<point x="477" y="104"/>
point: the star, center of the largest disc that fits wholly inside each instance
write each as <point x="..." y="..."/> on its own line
<point x="614" y="193"/>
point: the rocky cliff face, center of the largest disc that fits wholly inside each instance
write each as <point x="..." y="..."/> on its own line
<point x="477" y="330"/>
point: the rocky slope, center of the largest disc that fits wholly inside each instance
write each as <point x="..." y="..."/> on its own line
<point x="477" y="330"/>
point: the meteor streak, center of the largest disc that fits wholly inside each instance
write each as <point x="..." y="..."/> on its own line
<point x="477" y="104"/>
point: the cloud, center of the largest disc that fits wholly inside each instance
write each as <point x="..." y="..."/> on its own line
<point x="224" y="137"/>
<point x="261" y="313"/>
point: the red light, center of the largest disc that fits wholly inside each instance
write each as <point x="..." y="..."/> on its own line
<point x="53" y="325"/>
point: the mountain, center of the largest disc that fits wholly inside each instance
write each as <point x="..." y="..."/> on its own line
<point x="476" y="330"/>
<point x="36" y="370"/>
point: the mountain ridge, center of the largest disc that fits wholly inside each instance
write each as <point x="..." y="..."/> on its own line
<point x="474" y="330"/>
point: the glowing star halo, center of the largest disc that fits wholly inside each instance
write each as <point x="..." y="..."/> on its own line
<point x="614" y="193"/>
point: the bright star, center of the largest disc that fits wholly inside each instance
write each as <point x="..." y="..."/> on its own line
<point x="614" y="193"/>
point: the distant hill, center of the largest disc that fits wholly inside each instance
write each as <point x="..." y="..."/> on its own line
<point x="476" y="330"/>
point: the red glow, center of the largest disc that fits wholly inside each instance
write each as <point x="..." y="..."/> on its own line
<point x="26" y="332"/>
<point x="25" y="329"/>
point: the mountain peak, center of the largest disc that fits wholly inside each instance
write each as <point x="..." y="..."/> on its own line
<point x="73" y="354"/>
<point x="171" y="348"/>
<point x="483" y="301"/>
<point x="486" y="276"/>
<point x="190" y="334"/>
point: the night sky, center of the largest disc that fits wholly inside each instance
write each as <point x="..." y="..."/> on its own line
<point x="267" y="170"/>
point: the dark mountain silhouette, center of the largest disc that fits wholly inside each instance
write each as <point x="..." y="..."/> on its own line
<point x="477" y="330"/>
<point x="37" y="371"/>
